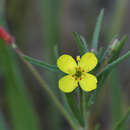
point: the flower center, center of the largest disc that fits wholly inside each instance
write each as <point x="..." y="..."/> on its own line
<point x="78" y="73"/>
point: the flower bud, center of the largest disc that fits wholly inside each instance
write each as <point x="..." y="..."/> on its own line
<point x="6" y="37"/>
<point x="114" y="44"/>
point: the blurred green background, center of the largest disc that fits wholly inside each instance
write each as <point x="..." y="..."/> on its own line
<point x="43" y="30"/>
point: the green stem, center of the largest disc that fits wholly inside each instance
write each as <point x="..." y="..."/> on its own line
<point x="85" y="111"/>
<point x="74" y="107"/>
<point x="81" y="101"/>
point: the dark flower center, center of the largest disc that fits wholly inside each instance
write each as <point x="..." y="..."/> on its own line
<point x="78" y="74"/>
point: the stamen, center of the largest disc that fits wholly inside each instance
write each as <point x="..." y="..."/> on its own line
<point x="79" y="68"/>
<point x="76" y="78"/>
<point x="78" y="58"/>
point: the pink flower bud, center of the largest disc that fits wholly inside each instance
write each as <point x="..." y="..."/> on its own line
<point x="6" y="37"/>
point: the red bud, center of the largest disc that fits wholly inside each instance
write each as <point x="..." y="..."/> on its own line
<point x="6" y="37"/>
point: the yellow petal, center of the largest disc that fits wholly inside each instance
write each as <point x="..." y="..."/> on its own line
<point x="67" y="64"/>
<point x="88" y="61"/>
<point x="88" y="82"/>
<point x="67" y="84"/>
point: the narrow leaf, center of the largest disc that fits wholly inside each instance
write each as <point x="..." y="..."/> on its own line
<point x="116" y="97"/>
<point x="97" y="30"/>
<point x="114" y="63"/>
<point x="79" y="42"/>
<point x="84" y="43"/>
<point x="42" y="64"/>
<point x="122" y="121"/>
<point x="74" y="107"/>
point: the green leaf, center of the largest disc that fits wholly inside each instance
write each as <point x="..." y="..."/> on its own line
<point x="116" y="102"/>
<point x="74" y="107"/>
<point x="56" y="51"/>
<point x="121" y="122"/>
<point x="42" y="64"/>
<point x="97" y="30"/>
<point x="79" y="42"/>
<point x="84" y="43"/>
<point x="113" y="64"/>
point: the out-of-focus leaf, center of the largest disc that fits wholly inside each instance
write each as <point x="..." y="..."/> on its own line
<point x="50" y="12"/>
<point x="3" y="125"/>
<point x="121" y="122"/>
<point x="23" y="116"/>
<point x="97" y="127"/>
<point x="116" y="97"/>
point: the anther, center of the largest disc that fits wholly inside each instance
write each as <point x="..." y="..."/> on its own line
<point x="78" y="58"/>
<point x="83" y="70"/>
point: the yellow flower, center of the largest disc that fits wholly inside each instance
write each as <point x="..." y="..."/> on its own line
<point x="77" y="72"/>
